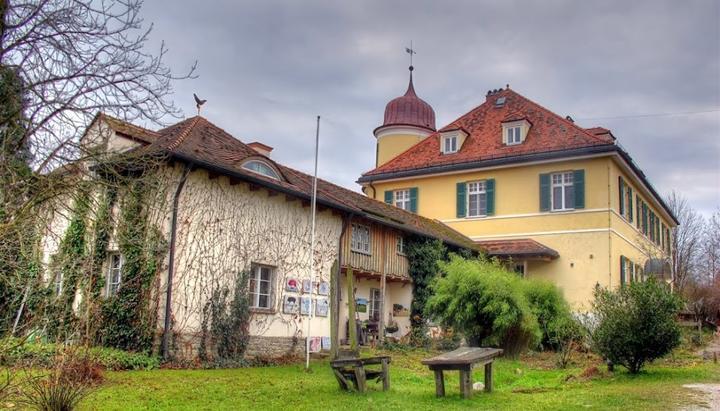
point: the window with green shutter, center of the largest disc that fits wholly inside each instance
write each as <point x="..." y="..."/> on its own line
<point x="638" y="206"/>
<point x="389" y="197"/>
<point x="544" y="192"/>
<point x="622" y="270"/>
<point x="461" y="199"/>
<point x="621" y="199"/>
<point x="579" y="183"/>
<point x="413" y="199"/>
<point x="490" y="192"/>
<point x="630" y="204"/>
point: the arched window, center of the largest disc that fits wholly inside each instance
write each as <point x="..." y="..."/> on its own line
<point x="261" y="167"/>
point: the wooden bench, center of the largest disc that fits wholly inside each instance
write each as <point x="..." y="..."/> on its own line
<point x="463" y="359"/>
<point x="355" y="372"/>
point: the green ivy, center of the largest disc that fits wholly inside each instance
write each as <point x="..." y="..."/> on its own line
<point x="128" y="319"/>
<point x="423" y="257"/>
<point x="71" y="260"/>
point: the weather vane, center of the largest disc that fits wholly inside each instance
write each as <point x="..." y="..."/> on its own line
<point x="410" y="51"/>
<point x="198" y="102"/>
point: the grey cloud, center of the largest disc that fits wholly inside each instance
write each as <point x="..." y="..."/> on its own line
<point x="268" y="68"/>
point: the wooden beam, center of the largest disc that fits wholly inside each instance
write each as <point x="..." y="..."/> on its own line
<point x="234" y="181"/>
<point x="289" y="198"/>
<point x="212" y="175"/>
<point x="254" y="187"/>
<point x="272" y="193"/>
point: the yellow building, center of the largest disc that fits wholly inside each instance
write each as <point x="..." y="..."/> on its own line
<point x="557" y="201"/>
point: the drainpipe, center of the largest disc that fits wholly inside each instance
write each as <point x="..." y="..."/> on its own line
<point x="171" y="263"/>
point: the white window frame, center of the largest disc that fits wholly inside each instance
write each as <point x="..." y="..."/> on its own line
<point x="360" y="239"/>
<point x="513" y="135"/>
<point x="401" y="199"/>
<point x="479" y="190"/>
<point x="58" y="279"/>
<point x="375" y="299"/>
<point x="400" y="246"/>
<point x="562" y="184"/>
<point x="271" y="172"/>
<point x="450" y="144"/>
<point x="255" y="293"/>
<point x="109" y="290"/>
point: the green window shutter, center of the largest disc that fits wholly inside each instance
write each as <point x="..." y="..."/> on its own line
<point x="544" y="192"/>
<point x="644" y="218"/>
<point x="461" y="199"/>
<point x="630" y="204"/>
<point x="621" y="191"/>
<point x="638" y="207"/>
<point x="490" y="193"/>
<point x="413" y="199"/>
<point x="389" y="197"/>
<point x="579" y="185"/>
<point x="622" y="271"/>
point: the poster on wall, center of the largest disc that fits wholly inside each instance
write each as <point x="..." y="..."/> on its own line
<point x="290" y="304"/>
<point x="321" y="307"/>
<point x="324" y="288"/>
<point x="325" y="343"/>
<point x="361" y="305"/>
<point x="400" y="311"/>
<point x="305" y="305"/>
<point x="315" y="344"/>
<point x="291" y="285"/>
<point x="307" y="286"/>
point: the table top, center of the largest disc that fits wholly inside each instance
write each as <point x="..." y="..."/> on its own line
<point x="464" y="356"/>
<point x="359" y="361"/>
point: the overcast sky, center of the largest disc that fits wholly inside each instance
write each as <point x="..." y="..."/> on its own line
<point x="267" y="68"/>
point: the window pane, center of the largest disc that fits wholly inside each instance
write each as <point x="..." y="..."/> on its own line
<point x="263" y="301"/>
<point x="253" y="285"/>
<point x="473" y="205"/>
<point x="482" y="203"/>
<point x="557" y="198"/>
<point x="265" y="273"/>
<point x="264" y="287"/>
<point x="569" y="197"/>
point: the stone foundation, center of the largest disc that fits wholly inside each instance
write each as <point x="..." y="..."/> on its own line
<point x="275" y="347"/>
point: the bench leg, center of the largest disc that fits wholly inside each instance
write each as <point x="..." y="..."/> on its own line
<point x="466" y="383"/>
<point x="386" y="375"/>
<point x="360" y="379"/>
<point x="488" y="377"/>
<point x="341" y="380"/>
<point x="439" y="383"/>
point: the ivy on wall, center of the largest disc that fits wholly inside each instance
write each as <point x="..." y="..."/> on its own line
<point x="70" y="263"/>
<point x="423" y="256"/>
<point x="128" y="320"/>
<point x="225" y="329"/>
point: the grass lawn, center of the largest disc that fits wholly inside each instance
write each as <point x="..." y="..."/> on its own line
<point x="530" y="383"/>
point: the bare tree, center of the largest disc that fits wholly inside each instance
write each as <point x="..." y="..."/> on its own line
<point x="686" y="239"/>
<point x="709" y="264"/>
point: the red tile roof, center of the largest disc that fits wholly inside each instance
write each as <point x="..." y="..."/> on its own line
<point x="549" y="132"/>
<point x="208" y="146"/>
<point x="523" y="247"/>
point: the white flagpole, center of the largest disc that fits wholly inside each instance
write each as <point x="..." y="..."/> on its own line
<point x="312" y="243"/>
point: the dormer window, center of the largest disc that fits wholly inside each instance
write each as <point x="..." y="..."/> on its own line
<point x="450" y="144"/>
<point x="513" y="135"/>
<point x="261" y="167"/>
<point x="514" y="132"/>
<point x="452" y="140"/>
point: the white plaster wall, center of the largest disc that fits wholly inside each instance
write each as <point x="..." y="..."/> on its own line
<point x="223" y="229"/>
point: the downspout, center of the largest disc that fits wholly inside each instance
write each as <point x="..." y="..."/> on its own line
<point x="374" y="190"/>
<point x="171" y="262"/>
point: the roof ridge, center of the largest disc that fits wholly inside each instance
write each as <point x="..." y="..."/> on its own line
<point x="184" y="133"/>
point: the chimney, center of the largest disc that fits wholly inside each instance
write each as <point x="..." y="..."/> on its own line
<point x="261" y="148"/>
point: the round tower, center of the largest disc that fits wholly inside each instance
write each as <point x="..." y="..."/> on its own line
<point x="408" y="120"/>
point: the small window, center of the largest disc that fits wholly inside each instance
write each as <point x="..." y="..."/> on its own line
<point x="402" y="199"/>
<point x="58" y="282"/>
<point x="360" y="241"/>
<point x="261" y="167"/>
<point x="513" y="135"/>
<point x="519" y="268"/>
<point x="449" y="144"/>
<point x="261" y="286"/>
<point x="375" y="303"/>
<point x="401" y="245"/>
<point x="114" y="275"/>
<point x="476" y="198"/>
<point x="563" y="191"/>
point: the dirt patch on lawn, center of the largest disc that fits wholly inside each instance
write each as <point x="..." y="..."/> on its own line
<point x="707" y="396"/>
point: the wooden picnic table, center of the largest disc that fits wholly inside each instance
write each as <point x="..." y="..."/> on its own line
<point x="463" y="359"/>
<point x="357" y="371"/>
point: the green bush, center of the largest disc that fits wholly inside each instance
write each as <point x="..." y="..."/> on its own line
<point x="486" y="303"/>
<point x="636" y="323"/>
<point x="566" y="334"/>
<point x="43" y="355"/>
<point x="551" y="310"/>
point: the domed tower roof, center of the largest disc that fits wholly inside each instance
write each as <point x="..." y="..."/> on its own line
<point x="409" y="110"/>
